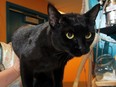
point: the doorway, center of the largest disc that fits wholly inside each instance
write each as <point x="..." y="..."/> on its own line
<point x="18" y="16"/>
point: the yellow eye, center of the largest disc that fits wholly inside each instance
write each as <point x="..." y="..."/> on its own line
<point x="88" y="35"/>
<point x="70" y="35"/>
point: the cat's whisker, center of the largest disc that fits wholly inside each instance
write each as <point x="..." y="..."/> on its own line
<point x="58" y="53"/>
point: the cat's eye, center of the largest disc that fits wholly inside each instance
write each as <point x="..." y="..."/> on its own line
<point x="70" y="35"/>
<point x="88" y="35"/>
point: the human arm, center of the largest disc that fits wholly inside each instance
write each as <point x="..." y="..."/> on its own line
<point x="11" y="74"/>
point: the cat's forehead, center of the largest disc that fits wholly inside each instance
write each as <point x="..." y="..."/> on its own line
<point x="75" y="19"/>
<point x="76" y="23"/>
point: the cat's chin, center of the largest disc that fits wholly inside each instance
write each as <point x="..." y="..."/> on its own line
<point x="81" y="53"/>
<point x="78" y="55"/>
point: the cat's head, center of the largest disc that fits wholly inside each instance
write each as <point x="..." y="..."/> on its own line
<point x="72" y="33"/>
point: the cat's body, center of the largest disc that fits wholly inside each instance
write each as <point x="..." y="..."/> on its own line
<point x="45" y="49"/>
<point x="40" y="57"/>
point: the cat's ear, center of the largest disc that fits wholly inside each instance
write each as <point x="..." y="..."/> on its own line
<point x="53" y="15"/>
<point x="92" y="13"/>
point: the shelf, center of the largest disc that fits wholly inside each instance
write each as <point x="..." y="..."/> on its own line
<point x="105" y="83"/>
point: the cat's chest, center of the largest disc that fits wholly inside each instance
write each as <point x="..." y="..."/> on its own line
<point x="44" y="63"/>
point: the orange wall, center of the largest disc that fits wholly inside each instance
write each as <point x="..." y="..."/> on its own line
<point x="72" y="68"/>
<point x="2" y="20"/>
<point x="37" y="5"/>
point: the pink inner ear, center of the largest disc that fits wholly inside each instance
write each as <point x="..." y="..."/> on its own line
<point x="52" y="20"/>
<point x="53" y="14"/>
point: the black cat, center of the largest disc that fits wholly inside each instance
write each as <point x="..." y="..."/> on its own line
<point x="45" y="49"/>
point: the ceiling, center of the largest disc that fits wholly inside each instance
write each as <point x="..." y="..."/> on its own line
<point x="67" y="6"/>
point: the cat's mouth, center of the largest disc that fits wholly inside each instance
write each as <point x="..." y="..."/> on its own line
<point x="85" y="51"/>
<point x="78" y="53"/>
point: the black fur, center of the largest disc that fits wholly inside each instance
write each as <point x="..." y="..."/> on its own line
<point x="45" y="49"/>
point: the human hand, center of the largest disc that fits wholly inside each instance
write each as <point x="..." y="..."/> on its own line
<point x="16" y="65"/>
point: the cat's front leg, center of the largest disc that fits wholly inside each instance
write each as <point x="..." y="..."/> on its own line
<point x="26" y="75"/>
<point x="58" y="77"/>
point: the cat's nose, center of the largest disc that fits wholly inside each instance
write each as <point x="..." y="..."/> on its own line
<point x="83" y="50"/>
